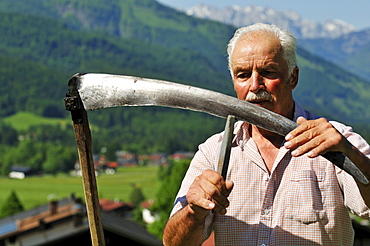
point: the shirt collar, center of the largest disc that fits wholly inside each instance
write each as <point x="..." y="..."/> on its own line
<point x="299" y="111"/>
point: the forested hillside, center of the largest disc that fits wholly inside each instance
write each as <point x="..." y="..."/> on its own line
<point x="52" y="53"/>
<point x="44" y="42"/>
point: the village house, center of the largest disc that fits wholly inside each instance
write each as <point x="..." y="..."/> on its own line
<point x="64" y="222"/>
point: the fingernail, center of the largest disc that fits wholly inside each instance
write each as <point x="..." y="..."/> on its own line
<point x="211" y="205"/>
<point x="310" y="154"/>
<point x="287" y="144"/>
<point x="295" y="152"/>
<point x="288" y="137"/>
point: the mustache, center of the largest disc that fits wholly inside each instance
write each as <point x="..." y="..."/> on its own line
<point x="260" y="95"/>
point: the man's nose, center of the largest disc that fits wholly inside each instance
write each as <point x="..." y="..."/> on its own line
<point x="256" y="82"/>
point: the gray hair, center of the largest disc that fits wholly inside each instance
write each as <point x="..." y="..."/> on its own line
<point x="287" y="40"/>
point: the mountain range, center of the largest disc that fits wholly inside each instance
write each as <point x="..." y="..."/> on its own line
<point x="291" y="20"/>
<point x="334" y="40"/>
<point x="44" y="42"/>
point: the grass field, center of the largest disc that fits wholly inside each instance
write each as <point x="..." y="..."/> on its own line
<point x="33" y="191"/>
<point x="23" y="120"/>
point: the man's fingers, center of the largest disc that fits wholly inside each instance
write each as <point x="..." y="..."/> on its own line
<point x="209" y="191"/>
<point x="229" y="186"/>
<point x="300" y="120"/>
<point x="217" y="190"/>
<point x="313" y="137"/>
<point x="298" y="130"/>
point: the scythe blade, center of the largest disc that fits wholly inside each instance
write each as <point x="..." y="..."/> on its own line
<point x="105" y="90"/>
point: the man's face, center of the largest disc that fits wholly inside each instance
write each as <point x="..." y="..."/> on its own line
<point x="260" y="73"/>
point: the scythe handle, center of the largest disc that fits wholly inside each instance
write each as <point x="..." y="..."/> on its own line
<point x="84" y="147"/>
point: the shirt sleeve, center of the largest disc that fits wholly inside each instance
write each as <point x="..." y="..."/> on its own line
<point x="352" y="196"/>
<point x="203" y="160"/>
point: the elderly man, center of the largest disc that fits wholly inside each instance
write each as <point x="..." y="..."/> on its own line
<point x="278" y="191"/>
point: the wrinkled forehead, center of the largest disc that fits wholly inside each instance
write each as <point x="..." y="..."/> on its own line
<point x="258" y="42"/>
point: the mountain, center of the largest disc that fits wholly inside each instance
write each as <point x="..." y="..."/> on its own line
<point x="334" y="40"/>
<point x="144" y="20"/>
<point x="290" y="20"/>
<point x="44" y="42"/>
<point x="350" y="51"/>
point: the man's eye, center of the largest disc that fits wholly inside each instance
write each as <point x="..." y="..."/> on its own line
<point x="269" y="74"/>
<point x="243" y="75"/>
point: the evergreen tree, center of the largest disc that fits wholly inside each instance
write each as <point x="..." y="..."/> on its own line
<point x="137" y="195"/>
<point x="11" y="206"/>
<point x="8" y="135"/>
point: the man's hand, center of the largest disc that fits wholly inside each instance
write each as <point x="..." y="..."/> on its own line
<point x="209" y="191"/>
<point x="315" y="137"/>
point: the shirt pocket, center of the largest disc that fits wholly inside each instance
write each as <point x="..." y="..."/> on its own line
<point x="309" y="207"/>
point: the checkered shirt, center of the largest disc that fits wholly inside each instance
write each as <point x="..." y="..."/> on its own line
<point x="304" y="201"/>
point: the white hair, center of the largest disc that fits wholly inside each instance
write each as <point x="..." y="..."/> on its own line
<point x="287" y="40"/>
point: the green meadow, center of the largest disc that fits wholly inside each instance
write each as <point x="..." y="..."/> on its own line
<point x="33" y="191"/>
<point x="24" y="120"/>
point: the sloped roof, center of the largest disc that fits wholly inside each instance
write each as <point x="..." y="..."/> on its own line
<point x="28" y="220"/>
<point x="128" y="229"/>
<point x="109" y="205"/>
<point x="17" y="223"/>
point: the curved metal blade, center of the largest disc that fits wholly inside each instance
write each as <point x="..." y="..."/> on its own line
<point x="105" y="90"/>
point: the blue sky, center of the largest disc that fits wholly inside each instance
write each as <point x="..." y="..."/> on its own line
<point x="355" y="12"/>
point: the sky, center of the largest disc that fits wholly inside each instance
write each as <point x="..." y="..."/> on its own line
<point x="354" y="12"/>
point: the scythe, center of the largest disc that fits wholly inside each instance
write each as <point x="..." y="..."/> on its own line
<point x="95" y="91"/>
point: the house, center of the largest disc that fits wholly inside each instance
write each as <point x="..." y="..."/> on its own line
<point x="158" y="159"/>
<point x="21" y="172"/>
<point x="126" y="159"/>
<point x="180" y="155"/>
<point x="65" y="222"/>
<point x="148" y="216"/>
<point x="122" y="209"/>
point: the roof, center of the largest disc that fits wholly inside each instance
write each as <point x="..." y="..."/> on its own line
<point x="31" y="219"/>
<point x="128" y="229"/>
<point x="34" y="221"/>
<point x="109" y="205"/>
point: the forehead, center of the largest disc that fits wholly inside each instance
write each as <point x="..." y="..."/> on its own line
<point x="260" y="46"/>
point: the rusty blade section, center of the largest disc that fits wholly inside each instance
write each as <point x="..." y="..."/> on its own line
<point x="105" y="90"/>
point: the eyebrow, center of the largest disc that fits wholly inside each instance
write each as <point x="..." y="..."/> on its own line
<point x="271" y="65"/>
<point x="268" y="66"/>
<point x="239" y="69"/>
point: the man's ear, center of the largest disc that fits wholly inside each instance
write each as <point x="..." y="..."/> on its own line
<point x="294" y="78"/>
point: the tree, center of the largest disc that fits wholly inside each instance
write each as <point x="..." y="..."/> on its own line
<point x="11" y="205"/>
<point x="8" y="135"/>
<point x="171" y="181"/>
<point x="136" y="198"/>
<point x="137" y="195"/>
<point x="59" y="158"/>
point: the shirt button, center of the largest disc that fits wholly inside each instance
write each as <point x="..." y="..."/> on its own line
<point x="266" y="178"/>
<point x="263" y="244"/>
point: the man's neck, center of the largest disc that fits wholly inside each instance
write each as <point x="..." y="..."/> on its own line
<point x="264" y="137"/>
<point x="268" y="144"/>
